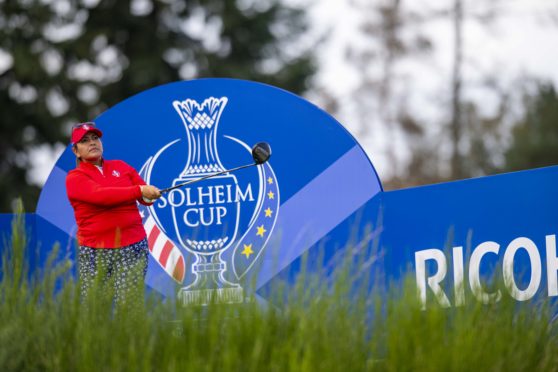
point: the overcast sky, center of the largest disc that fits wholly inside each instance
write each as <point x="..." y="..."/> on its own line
<point x="520" y="41"/>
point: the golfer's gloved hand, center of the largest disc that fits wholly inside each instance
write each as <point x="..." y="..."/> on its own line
<point x="150" y="192"/>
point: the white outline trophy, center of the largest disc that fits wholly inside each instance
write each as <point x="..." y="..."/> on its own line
<point x="201" y="123"/>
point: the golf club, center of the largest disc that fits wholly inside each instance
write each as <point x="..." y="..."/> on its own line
<point x="261" y="152"/>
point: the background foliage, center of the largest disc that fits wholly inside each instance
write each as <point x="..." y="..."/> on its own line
<point x="64" y="61"/>
<point x="71" y="60"/>
<point x="535" y="136"/>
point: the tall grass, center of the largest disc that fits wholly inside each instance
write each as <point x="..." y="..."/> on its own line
<point x="317" y="327"/>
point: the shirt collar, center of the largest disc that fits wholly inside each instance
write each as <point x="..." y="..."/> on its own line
<point x="86" y="165"/>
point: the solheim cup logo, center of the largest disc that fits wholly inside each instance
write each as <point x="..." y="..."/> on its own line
<point x="209" y="234"/>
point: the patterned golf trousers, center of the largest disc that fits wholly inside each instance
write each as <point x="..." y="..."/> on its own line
<point x="121" y="270"/>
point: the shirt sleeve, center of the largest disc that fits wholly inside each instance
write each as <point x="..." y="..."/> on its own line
<point x="137" y="180"/>
<point x="81" y="187"/>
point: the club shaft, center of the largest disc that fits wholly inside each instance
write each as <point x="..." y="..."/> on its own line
<point x="206" y="177"/>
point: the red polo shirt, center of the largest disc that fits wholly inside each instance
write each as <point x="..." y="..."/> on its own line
<point x="104" y="204"/>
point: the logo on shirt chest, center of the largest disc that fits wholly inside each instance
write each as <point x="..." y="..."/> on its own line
<point x="115" y="173"/>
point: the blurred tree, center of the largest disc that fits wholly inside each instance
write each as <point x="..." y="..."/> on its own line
<point x="482" y="142"/>
<point x="395" y="41"/>
<point x="25" y="89"/>
<point x="535" y="137"/>
<point x="380" y="97"/>
<point x="468" y="131"/>
<point x="457" y="169"/>
<point x="64" y="61"/>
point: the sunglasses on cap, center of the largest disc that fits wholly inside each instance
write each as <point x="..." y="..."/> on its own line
<point x="79" y="125"/>
<point x="81" y="129"/>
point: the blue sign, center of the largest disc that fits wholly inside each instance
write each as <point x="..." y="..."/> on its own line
<point x="461" y="236"/>
<point x="209" y="238"/>
<point x="235" y="235"/>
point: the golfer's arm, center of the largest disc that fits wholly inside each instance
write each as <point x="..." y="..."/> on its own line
<point x="137" y="180"/>
<point x="84" y="189"/>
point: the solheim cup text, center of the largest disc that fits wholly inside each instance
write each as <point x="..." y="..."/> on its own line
<point x="207" y="204"/>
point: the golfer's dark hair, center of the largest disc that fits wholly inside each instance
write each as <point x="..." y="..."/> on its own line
<point x="78" y="159"/>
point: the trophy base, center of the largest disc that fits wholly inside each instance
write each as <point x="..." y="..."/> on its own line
<point x="233" y="295"/>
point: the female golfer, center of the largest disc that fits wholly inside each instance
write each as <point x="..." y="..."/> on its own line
<point x="111" y="237"/>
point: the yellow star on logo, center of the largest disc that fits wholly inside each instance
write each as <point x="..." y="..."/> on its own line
<point x="268" y="212"/>
<point x="270" y="180"/>
<point x="270" y="194"/>
<point x="247" y="250"/>
<point x="261" y="231"/>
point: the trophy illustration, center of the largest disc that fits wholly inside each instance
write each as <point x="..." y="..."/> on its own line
<point x="205" y="215"/>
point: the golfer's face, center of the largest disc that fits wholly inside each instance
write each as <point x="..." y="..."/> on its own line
<point x="89" y="147"/>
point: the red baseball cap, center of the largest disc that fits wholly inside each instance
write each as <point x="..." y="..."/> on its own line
<point x="81" y="129"/>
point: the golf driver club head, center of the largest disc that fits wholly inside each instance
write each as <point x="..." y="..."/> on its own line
<point x="261" y="152"/>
